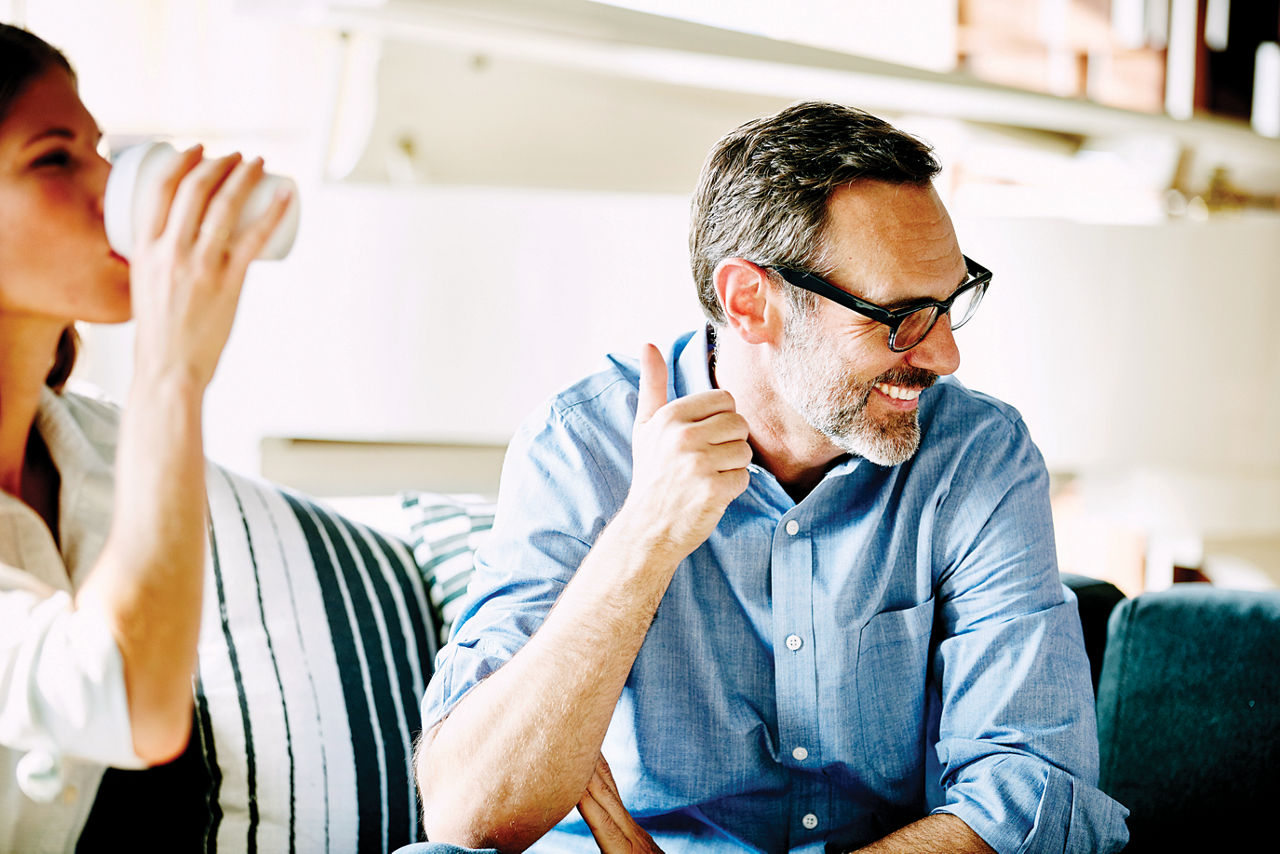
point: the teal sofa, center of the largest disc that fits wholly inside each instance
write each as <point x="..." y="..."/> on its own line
<point x="1188" y="702"/>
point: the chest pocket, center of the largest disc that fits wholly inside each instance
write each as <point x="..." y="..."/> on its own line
<point x="893" y="657"/>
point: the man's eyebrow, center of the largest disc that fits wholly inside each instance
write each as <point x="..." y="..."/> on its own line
<point x="914" y="301"/>
<point x="898" y="305"/>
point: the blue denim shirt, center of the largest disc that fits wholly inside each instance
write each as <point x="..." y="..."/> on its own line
<point x="895" y="644"/>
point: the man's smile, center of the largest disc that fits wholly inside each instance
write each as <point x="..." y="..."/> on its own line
<point x="899" y="397"/>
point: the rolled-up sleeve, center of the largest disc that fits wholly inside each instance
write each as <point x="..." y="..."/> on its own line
<point x="62" y="688"/>
<point x="1017" y="739"/>
<point x="554" y="500"/>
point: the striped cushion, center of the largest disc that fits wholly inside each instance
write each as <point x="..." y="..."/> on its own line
<point x="315" y="648"/>
<point x="445" y="532"/>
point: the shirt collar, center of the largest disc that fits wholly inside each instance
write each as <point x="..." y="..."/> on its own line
<point x="690" y="362"/>
<point x="81" y="438"/>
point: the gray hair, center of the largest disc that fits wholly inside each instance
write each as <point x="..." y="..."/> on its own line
<point x="763" y="191"/>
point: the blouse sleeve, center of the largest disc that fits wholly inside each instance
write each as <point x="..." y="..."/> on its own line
<point x="62" y="689"/>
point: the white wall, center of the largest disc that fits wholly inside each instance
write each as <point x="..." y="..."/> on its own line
<point x="445" y="313"/>
<point x="1144" y="358"/>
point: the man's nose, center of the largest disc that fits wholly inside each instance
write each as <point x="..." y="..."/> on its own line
<point x="938" y="351"/>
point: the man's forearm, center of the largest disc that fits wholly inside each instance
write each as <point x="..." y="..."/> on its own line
<point x="517" y="752"/>
<point x="940" y="833"/>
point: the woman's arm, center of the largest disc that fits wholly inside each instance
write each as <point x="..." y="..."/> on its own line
<point x="186" y="277"/>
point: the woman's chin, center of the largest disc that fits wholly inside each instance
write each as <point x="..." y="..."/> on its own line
<point x="117" y="311"/>
<point x="117" y="314"/>
<point x="123" y="317"/>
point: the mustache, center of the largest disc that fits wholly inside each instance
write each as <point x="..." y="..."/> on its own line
<point x="908" y="377"/>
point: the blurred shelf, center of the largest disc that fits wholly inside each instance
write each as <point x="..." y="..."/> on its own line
<point x="611" y="43"/>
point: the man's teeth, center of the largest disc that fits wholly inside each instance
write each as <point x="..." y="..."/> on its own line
<point x="899" y="393"/>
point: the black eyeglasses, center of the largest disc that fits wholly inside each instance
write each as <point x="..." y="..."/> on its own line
<point x="907" y="326"/>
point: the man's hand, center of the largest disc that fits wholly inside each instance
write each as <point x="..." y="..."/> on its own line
<point x="690" y="460"/>
<point x="616" y="832"/>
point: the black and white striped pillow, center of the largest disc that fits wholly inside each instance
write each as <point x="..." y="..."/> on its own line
<point x="316" y="645"/>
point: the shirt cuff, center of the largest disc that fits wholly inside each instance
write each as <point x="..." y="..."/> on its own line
<point x="63" y="677"/>
<point x="1068" y="816"/>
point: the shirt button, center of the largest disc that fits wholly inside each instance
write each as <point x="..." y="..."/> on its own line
<point x="810" y="821"/>
<point x="800" y="754"/>
<point x="793" y="527"/>
<point x="794" y="642"/>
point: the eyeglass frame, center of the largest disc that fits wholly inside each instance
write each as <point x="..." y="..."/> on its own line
<point x="979" y="277"/>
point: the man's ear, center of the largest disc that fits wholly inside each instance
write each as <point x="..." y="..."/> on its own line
<point x="752" y="303"/>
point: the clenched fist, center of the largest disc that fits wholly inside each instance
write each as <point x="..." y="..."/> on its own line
<point x="690" y="460"/>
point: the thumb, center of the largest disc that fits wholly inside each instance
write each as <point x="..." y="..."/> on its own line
<point x="653" y="383"/>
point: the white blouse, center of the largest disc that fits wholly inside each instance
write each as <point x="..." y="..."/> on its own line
<point x="64" y="714"/>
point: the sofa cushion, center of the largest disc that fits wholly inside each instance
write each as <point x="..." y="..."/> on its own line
<point x="445" y="532"/>
<point x="1189" y="717"/>
<point x="316" y="645"/>
<point x="1095" y="600"/>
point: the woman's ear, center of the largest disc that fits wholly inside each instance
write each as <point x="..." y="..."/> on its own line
<point x="752" y="303"/>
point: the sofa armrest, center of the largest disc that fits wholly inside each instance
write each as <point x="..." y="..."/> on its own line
<point x="1096" y="600"/>
<point x="1189" y="717"/>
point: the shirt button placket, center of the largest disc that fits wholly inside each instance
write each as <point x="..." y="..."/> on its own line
<point x="799" y="725"/>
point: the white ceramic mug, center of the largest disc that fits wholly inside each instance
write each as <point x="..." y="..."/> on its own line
<point x="135" y="173"/>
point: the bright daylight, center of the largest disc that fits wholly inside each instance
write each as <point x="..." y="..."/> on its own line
<point x="632" y="426"/>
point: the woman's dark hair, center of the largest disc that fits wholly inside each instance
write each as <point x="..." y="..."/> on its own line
<point x="24" y="57"/>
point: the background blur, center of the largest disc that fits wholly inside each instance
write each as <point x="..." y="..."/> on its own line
<point x="495" y="193"/>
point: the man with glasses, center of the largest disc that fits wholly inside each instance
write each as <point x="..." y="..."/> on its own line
<point x="795" y="584"/>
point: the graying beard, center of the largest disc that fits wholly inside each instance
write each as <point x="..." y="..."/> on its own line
<point x="847" y="424"/>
